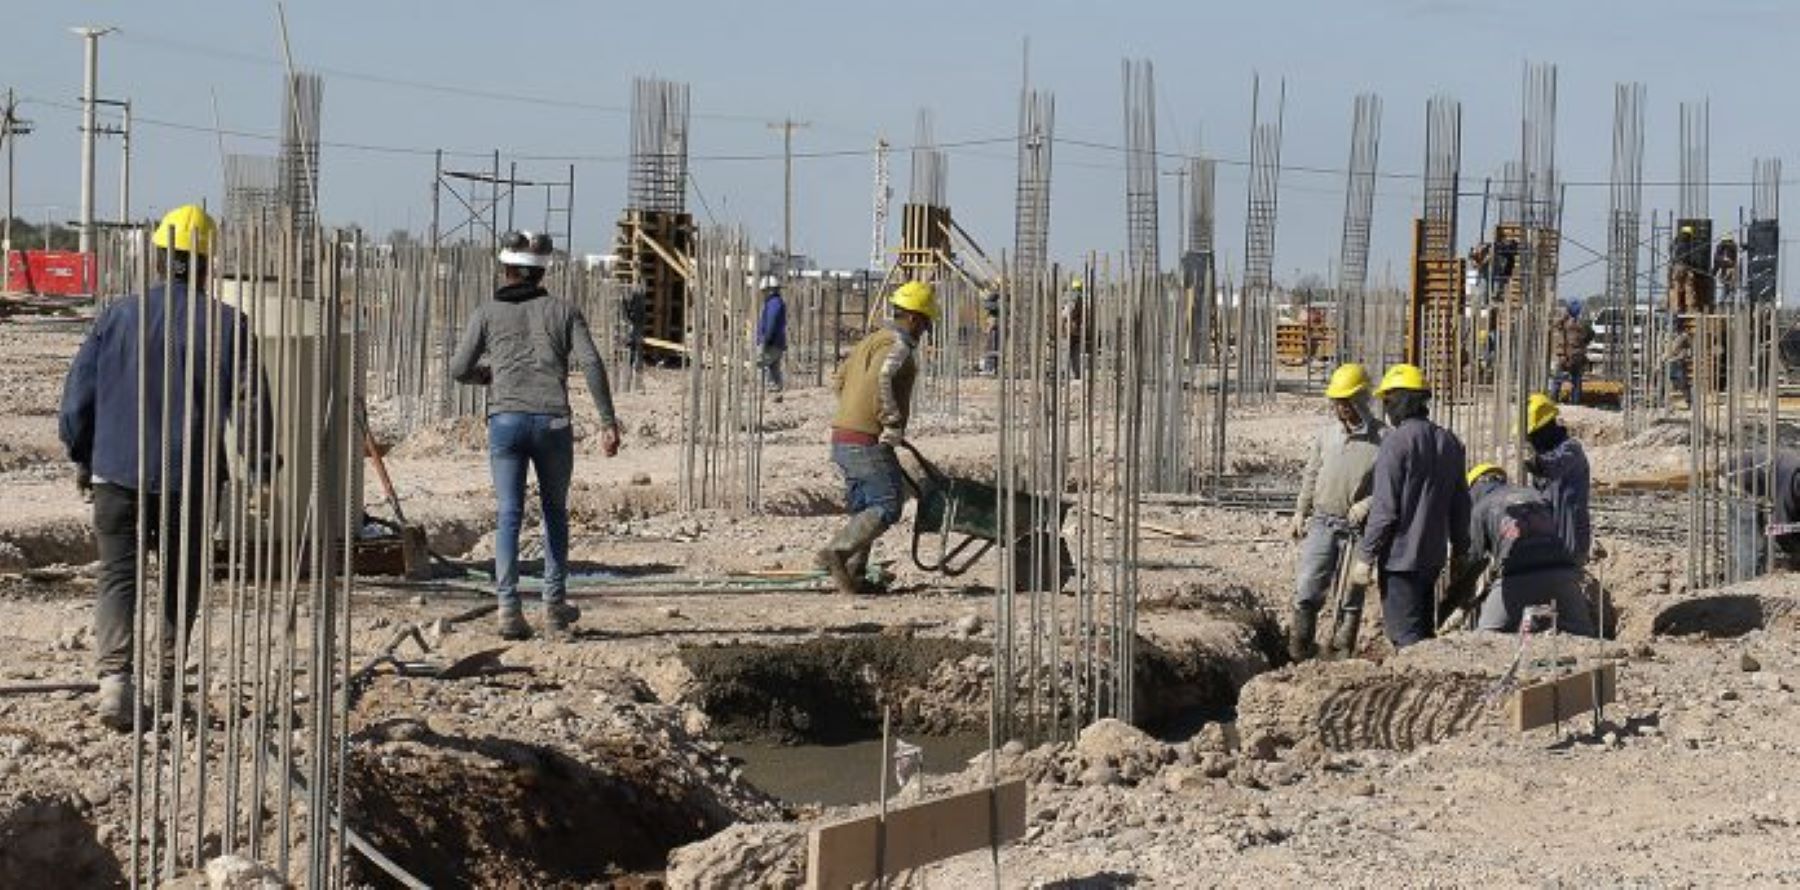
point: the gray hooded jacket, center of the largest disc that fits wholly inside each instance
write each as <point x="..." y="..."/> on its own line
<point x="1341" y="463"/>
<point x="528" y="338"/>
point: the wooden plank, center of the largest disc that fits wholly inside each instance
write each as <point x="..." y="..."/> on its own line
<point x="1563" y="699"/>
<point x="844" y="853"/>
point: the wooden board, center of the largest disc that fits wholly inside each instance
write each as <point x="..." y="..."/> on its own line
<point x="1563" y="699"/>
<point x="844" y="853"/>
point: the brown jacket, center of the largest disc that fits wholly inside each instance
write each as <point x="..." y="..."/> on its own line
<point x="875" y="383"/>
<point x="1571" y="337"/>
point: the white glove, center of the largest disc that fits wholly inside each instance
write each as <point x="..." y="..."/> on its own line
<point x="1361" y="573"/>
<point x="1359" y="513"/>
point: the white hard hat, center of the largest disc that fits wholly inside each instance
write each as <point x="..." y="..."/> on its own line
<point x="525" y="249"/>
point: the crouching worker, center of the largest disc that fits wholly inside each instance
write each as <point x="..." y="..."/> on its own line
<point x="1333" y="503"/>
<point x="1513" y="536"/>
<point x="874" y="387"/>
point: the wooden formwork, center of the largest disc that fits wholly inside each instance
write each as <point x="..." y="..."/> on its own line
<point x="924" y="238"/>
<point x="1436" y="308"/>
<point x="652" y="247"/>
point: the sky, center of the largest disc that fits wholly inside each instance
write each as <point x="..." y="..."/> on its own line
<point x="548" y="82"/>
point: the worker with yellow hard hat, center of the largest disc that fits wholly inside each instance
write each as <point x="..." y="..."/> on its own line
<point x="1512" y="538"/>
<point x="1077" y="333"/>
<point x="1419" y="509"/>
<point x="1333" y="502"/>
<point x="1558" y="468"/>
<point x="874" y="388"/>
<point x="109" y="414"/>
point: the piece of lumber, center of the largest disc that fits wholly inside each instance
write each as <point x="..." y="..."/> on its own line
<point x="1564" y="698"/>
<point x="844" y="853"/>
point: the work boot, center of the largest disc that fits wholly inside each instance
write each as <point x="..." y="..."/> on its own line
<point x="560" y="615"/>
<point x="839" y="556"/>
<point x="113" y="706"/>
<point x="1343" y="642"/>
<point x="511" y="624"/>
<point x="1300" y="632"/>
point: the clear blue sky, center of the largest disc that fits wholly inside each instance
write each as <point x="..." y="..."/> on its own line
<point x="858" y="69"/>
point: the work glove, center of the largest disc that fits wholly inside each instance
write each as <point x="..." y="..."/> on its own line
<point x="1359" y="513"/>
<point x="1297" y="526"/>
<point x="1361" y="573"/>
<point x="892" y="436"/>
<point x="84" y="482"/>
<point x="609" y="439"/>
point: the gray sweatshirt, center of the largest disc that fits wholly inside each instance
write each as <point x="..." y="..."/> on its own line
<point x="1420" y="502"/>
<point x="527" y="337"/>
<point x="1340" y="465"/>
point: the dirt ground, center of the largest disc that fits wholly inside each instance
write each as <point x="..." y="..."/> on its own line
<point x="1382" y="770"/>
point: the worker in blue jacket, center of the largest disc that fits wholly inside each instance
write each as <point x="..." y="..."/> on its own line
<point x="771" y="336"/>
<point x="132" y="454"/>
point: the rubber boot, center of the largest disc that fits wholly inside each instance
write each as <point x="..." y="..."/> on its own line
<point x="560" y="615"/>
<point x="1300" y="633"/>
<point x="113" y="706"/>
<point x="510" y="623"/>
<point x="857" y="536"/>
<point x="1343" y="642"/>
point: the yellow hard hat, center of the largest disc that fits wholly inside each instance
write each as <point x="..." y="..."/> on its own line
<point x="1075" y="283"/>
<point x="186" y="228"/>
<point x="1687" y="230"/>
<point x="1480" y="470"/>
<point x="1348" y="381"/>
<point x="1539" y="411"/>
<point x="916" y="296"/>
<point x="1402" y="377"/>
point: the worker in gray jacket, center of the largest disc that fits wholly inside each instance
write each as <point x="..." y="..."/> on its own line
<point x="1333" y="502"/>
<point x="1558" y="467"/>
<point x="1419" y="509"/>
<point x="1769" y="517"/>
<point x="1513" y="535"/>
<point x="527" y="338"/>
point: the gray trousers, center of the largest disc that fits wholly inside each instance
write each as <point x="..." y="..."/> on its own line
<point x="115" y="603"/>
<point x="1321" y="551"/>
<point x="1507" y="598"/>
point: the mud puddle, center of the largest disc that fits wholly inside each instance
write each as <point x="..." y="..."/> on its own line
<point x="843" y="775"/>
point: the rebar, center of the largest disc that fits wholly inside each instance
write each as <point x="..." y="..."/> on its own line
<point x="657" y="176"/>
<point x="1359" y="209"/>
<point x="1256" y="306"/>
<point x="1031" y="206"/>
<point x="723" y="401"/>
<point x="1626" y="355"/>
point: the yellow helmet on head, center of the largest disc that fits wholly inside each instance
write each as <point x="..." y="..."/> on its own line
<point x="1539" y="411"/>
<point x="1480" y="470"/>
<point x="1348" y="381"/>
<point x="186" y="228"/>
<point x="916" y="296"/>
<point x="1075" y="283"/>
<point x="1402" y="376"/>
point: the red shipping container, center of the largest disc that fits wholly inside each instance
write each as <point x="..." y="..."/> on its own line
<point x="61" y="273"/>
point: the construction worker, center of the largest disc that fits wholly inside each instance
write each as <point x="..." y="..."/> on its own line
<point x="1687" y="260"/>
<point x="1571" y="336"/>
<point x="874" y="387"/>
<point x="1075" y="325"/>
<point x="771" y="336"/>
<point x="1418" y="510"/>
<point x="1558" y="468"/>
<point x="1773" y="520"/>
<point x="1513" y="536"/>
<point x="102" y="423"/>
<point x="1725" y="266"/>
<point x="1675" y="358"/>
<point x="518" y="344"/>
<point x="990" y="313"/>
<point x="1333" y="502"/>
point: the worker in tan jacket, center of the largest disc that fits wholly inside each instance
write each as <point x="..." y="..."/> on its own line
<point x="1333" y="502"/>
<point x="874" y="387"/>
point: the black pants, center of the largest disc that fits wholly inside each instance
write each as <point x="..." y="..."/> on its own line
<point x="115" y="533"/>
<point x="1408" y="601"/>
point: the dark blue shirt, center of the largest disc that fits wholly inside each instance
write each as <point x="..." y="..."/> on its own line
<point x="771" y="328"/>
<point x="99" y="420"/>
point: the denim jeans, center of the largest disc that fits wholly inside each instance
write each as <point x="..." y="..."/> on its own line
<point x="1320" y="552"/>
<point x="871" y="479"/>
<point x="547" y="443"/>
<point x="773" y="378"/>
<point x="1556" y="382"/>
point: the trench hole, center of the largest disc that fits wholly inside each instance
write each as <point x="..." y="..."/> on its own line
<point x="47" y="842"/>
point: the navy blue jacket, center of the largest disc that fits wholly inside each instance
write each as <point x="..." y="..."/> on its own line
<point x="771" y="328"/>
<point x="1419" y="503"/>
<point x="1559" y="469"/>
<point x="98" y="424"/>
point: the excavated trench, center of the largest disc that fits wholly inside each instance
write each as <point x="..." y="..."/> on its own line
<point x="48" y="842"/>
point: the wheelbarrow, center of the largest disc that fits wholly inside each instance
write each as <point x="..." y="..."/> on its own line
<point x="963" y="517"/>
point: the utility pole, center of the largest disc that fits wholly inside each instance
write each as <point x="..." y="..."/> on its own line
<point x="89" y="84"/>
<point x="787" y="128"/>
<point x="123" y="131"/>
<point x="11" y="128"/>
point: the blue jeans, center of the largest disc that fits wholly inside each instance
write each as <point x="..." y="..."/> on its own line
<point x="1320" y="552"/>
<point x="1556" y="382"/>
<point x="871" y="479"/>
<point x="547" y="443"/>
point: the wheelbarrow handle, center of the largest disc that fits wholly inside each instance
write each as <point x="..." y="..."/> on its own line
<point x="937" y="476"/>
